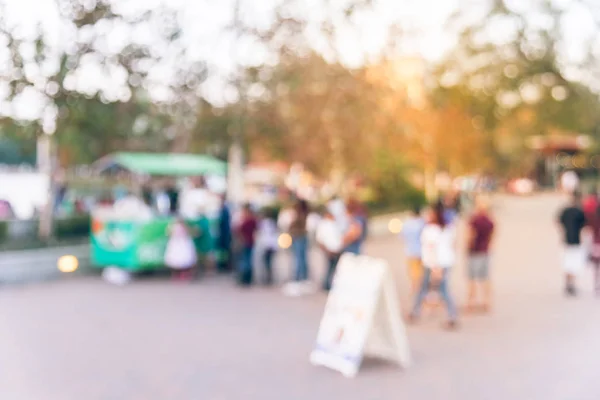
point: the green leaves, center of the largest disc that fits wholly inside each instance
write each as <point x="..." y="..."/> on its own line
<point x="520" y="87"/>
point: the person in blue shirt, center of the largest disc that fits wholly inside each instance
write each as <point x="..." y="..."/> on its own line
<point x="450" y="206"/>
<point x="358" y="215"/>
<point x="411" y="235"/>
<point x="357" y="229"/>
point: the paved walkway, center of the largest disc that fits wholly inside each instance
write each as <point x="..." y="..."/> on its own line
<point x="82" y="339"/>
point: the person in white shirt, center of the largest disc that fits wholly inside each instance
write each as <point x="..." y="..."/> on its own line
<point x="330" y="238"/>
<point x="268" y="236"/>
<point x="162" y="203"/>
<point x="569" y="181"/>
<point x="285" y="219"/>
<point x="337" y="208"/>
<point x="194" y="198"/>
<point x="438" y="256"/>
<point x="131" y="206"/>
<point x="312" y="222"/>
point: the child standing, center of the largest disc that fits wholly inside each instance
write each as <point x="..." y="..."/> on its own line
<point x="180" y="255"/>
<point x="268" y="237"/>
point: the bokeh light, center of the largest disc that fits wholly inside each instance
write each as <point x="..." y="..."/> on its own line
<point x="395" y="225"/>
<point x="284" y="241"/>
<point x="68" y="264"/>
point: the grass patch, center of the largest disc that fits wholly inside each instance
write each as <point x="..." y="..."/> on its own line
<point x="34" y="244"/>
<point x="67" y="232"/>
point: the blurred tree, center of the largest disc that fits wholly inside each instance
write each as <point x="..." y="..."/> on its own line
<point x="18" y="142"/>
<point x="96" y="94"/>
<point x="10" y="152"/>
<point x="515" y="76"/>
<point x="333" y="118"/>
<point x="291" y="53"/>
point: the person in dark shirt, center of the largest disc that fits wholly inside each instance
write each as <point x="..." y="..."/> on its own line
<point x="572" y="221"/>
<point x="246" y="232"/>
<point x="223" y="240"/>
<point x="61" y="194"/>
<point x="173" y="195"/>
<point x="480" y="237"/>
<point x="147" y="195"/>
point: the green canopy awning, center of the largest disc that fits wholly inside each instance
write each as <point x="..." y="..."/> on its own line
<point x="163" y="164"/>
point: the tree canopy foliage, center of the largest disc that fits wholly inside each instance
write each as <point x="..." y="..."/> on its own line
<point x="514" y="70"/>
<point x="510" y="75"/>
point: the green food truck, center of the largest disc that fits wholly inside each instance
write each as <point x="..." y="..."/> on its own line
<point x="136" y="244"/>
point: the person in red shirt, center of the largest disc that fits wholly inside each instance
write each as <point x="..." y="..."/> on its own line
<point x="246" y="233"/>
<point x="590" y="205"/>
<point x="594" y="225"/>
<point x="481" y="232"/>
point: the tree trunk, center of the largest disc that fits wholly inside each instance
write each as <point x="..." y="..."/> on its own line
<point x="46" y="161"/>
<point x="235" y="178"/>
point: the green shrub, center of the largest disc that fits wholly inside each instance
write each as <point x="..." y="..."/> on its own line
<point x="271" y="211"/>
<point x="398" y="195"/>
<point x="390" y="189"/>
<point x="3" y="231"/>
<point x="66" y="232"/>
<point x="414" y="198"/>
<point x="79" y="226"/>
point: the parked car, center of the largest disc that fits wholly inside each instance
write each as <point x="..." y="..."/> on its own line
<point x="521" y="186"/>
<point x="6" y="210"/>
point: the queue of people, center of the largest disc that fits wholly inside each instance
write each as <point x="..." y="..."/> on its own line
<point x="429" y="235"/>
<point x="430" y="238"/>
<point x="430" y="243"/>
<point x="335" y="228"/>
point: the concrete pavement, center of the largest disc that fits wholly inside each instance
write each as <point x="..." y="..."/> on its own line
<point x="26" y="266"/>
<point x="82" y="339"/>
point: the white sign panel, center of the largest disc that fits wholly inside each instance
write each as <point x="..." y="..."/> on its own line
<point x="362" y="317"/>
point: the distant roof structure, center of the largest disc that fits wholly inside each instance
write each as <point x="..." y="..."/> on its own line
<point x="560" y="142"/>
<point x="163" y="164"/>
<point x="266" y="172"/>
